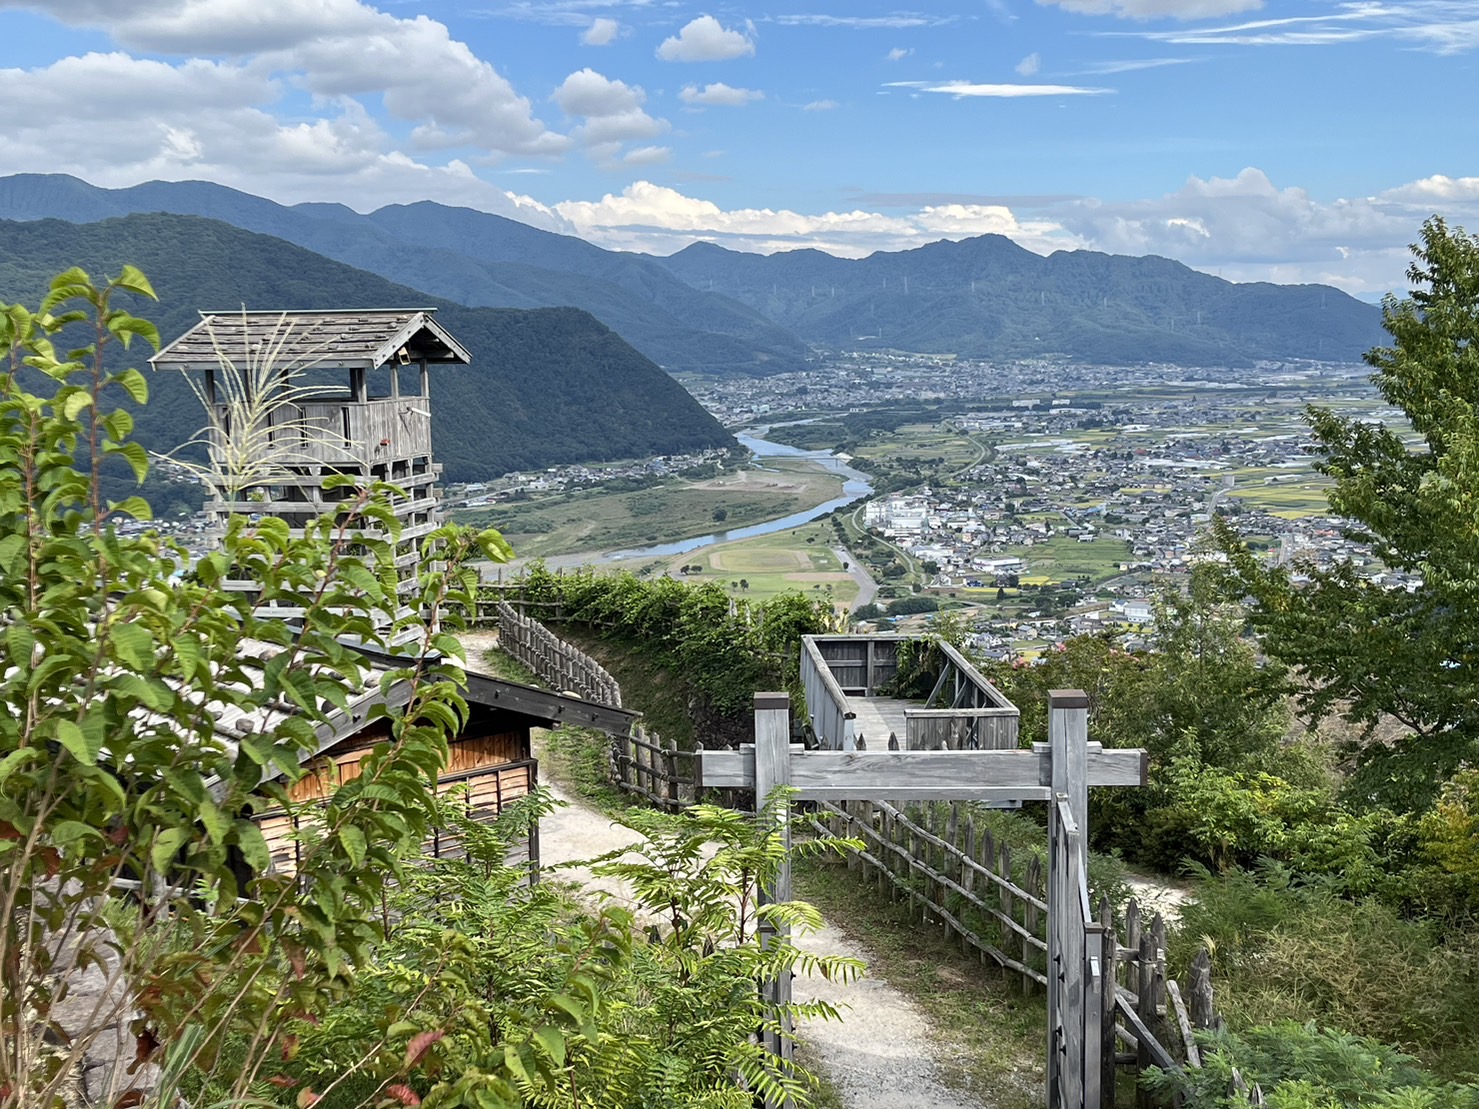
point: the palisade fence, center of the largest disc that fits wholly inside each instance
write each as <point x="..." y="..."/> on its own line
<point x="558" y="664"/>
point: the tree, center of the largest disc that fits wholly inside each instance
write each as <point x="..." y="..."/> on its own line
<point x="138" y="909"/>
<point x="1364" y="648"/>
<point x="720" y="515"/>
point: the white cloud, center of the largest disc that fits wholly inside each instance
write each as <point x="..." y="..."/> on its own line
<point x="718" y="94"/>
<point x="1131" y="65"/>
<point x="960" y="89"/>
<point x="1157" y="9"/>
<point x="1435" y="190"/>
<point x="1438" y="26"/>
<point x="201" y="120"/>
<point x="898" y="54"/>
<point x="601" y="32"/>
<point x="819" y="106"/>
<point x="337" y="49"/>
<point x="650" y="217"/>
<point x="646" y="156"/>
<point x="612" y="113"/>
<point x="1029" y="65"/>
<point x="705" y="39"/>
<point x="895" y="21"/>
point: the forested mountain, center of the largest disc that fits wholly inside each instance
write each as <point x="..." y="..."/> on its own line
<point x="547" y="386"/>
<point x="989" y="297"/>
<point x="463" y="255"/>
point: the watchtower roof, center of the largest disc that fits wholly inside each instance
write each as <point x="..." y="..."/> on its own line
<point x="361" y="338"/>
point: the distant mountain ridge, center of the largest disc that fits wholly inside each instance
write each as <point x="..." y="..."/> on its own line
<point x="547" y="387"/>
<point x="988" y="297"/>
<point x="712" y="310"/>
<point x="471" y="257"/>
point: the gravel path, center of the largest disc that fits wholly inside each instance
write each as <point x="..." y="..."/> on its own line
<point x="877" y="1057"/>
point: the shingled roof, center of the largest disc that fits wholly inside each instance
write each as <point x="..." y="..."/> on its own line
<point x="348" y="339"/>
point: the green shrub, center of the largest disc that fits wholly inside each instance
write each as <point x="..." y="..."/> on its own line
<point x="1301" y="1066"/>
<point x="1282" y="951"/>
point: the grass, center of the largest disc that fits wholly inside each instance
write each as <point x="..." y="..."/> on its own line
<point x="596" y="520"/>
<point x="991" y="1036"/>
<point x="796" y="559"/>
<point x="1061" y="558"/>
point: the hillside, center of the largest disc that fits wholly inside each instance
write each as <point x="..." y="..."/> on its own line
<point x="547" y="386"/>
<point x="989" y="297"/>
<point x="466" y="256"/>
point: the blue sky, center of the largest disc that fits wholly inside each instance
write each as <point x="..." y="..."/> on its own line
<point x="1289" y="140"/>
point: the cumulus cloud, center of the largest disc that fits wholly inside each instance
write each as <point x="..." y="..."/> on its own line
<point x="650" y="217"/>
<point x="819" y="106"/>
<point x="705" y="39"/>
<point x="1157" y="9"/>
<point x="718" y="94"/>
<point x="962" y="89"/>
<point x="337" y="49"/>
<point x="611" y="111"/>
<point x="601" y="32"/>
<point x="898" y="54"/>
<point x="203" y="120"/>
<point x="1029" y="65"/>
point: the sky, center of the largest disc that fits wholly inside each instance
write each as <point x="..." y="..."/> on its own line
<point x="1280" y="140"/>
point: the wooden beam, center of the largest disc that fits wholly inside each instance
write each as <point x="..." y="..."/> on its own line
<point x="772" y="763"/>
<point x="921" y="775"/>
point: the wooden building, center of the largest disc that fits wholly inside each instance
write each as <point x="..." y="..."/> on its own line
<point x="490" y="763"/>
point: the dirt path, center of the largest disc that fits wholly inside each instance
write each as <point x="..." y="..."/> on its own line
<point x="878" y="1057"/>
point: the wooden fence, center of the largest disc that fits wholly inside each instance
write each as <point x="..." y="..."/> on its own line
<point x="653" y="769"/>
<point x="959" y="879"/>
<point x="558" y="664"/>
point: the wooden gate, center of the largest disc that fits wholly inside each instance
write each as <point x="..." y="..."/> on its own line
<point x="1059" y="772"/>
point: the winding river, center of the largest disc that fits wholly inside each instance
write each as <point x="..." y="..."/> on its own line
<point x="855" y="486"/>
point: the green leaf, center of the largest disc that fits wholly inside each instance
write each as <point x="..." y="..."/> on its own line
<point x="135" y="455"/>
<point x="134" y="383"/>
<point x="137" y="507"/>
<point x="133" y="645"/>
<point x="253" y="845"/>
<point x="549" y="1038"/>
<point x="75" y="403"/>
<point x="134" y="281"/>
<point x="166" y="845"/>
<point x="354" y="843"/>
<point x="70" y="736"/>
<point x="20" y="643"/>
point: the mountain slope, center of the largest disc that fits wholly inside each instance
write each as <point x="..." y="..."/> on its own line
<point x="463" y="255"/>
<point x="989" y="297"/>
<point x="547" y="387"/>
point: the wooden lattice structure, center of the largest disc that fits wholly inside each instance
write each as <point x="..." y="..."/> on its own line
<point x="326" y="395"/>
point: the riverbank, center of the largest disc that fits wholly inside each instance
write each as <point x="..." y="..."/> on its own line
<point x="783" y="489"/>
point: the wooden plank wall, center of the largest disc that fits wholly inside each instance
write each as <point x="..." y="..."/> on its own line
<point x="487" y="791"/>
<point x="331" y="770"/>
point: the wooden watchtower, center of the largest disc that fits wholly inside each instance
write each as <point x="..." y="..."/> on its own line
<point x="293" y="398"/>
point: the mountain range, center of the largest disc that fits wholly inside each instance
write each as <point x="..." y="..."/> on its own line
<point x="547" y="386"/>
<point x="711" y="310"/>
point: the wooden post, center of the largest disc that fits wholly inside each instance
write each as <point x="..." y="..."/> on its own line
<point x="1108" y="957"/>
<point x="967" y="873"/>
<point x="1199" y="986"/>
<point x="1068" y="739"/>
<point x="1145" y="987"/>
<point x="773" y="770"/>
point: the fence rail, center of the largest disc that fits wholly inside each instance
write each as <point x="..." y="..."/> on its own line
<point x="555" y="662"/>
<point x="650" y="768"/>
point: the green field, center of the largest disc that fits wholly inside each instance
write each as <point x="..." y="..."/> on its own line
<point x="795" y="559"/>
<point x="596" y="520"/>
<point x="1061" y="558"/>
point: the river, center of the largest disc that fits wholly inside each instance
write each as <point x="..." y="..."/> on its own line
<point x="855" y="487"/>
